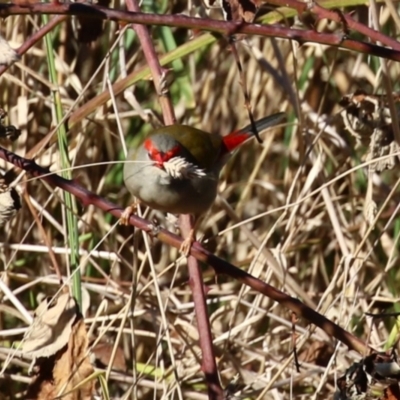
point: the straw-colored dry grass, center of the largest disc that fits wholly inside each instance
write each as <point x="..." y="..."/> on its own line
<point x="301" y="190"/>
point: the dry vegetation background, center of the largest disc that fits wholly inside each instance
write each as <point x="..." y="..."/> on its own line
<point x="300" y="196"/>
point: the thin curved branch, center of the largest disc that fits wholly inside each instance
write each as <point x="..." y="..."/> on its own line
<point x="220" y="266"/>
<point x="227" y="28"/>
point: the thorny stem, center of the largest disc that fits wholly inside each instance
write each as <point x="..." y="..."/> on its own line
<point x="337" y="16"/>
<point x="209" y="365"/>
<point x="227" y="28"/>
<point x="158" y="73"/>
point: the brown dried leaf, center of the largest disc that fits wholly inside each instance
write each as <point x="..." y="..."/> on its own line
<point x="368" y="119"/>
<point x="318" y="353"/>
<point x="63" y="372"/>
<point x="240" y="10"/>
<point x="383" y="144"/>
<point x="360" y="378"/>
<point x="236" y="10"/>
<point x="102" y="353"/>
<point x="51" y="327"/>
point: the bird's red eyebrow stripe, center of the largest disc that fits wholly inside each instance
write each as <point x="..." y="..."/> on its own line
<point x="158" y="156"/>
<point x="148" y="145"/>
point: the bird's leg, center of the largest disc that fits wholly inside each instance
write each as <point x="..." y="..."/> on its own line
<point x="187" y="243"/>
<point x="191" y="236"/>
<point x="126" y="214"/>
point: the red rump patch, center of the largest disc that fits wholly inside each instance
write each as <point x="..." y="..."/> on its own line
<point x="235" y="139"/>
<point x="160" y="157"/>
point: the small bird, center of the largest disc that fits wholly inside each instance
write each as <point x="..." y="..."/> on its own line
<point x="176" y="168"/>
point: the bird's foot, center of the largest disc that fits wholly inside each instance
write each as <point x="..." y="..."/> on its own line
<point x="186" y="245"/>
<point x="126" y="214"/>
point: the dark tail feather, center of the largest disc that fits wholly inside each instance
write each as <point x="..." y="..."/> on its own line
<point x="236" y="138"/>
<point x="265" y="122"/>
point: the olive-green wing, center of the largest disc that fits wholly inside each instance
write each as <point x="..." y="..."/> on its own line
<point x="203" y="146"/>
